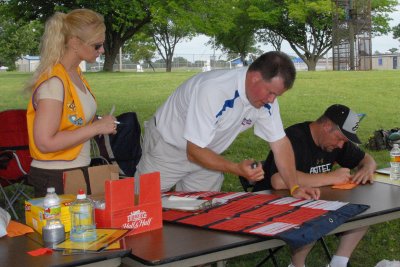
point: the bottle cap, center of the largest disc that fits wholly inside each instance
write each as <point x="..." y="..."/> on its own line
<point x="81" y="194"/>
<point x="51" y="190"/>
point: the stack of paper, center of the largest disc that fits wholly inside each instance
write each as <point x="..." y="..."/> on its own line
<point x="184" y="203"/>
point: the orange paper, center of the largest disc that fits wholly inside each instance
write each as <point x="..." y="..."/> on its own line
<point x="15" y="229"/>
<point x="40" y="251"/>
<point x="344" y="186"/>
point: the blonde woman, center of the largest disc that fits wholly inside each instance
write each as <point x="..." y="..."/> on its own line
<point x="61" y="112"/>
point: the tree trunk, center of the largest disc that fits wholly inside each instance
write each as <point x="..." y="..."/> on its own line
<point x="151" y="65"/>
<point x="111" y="50"/>
<point x="311" y="64"/>
<point x="109" y="61"/>
<point x="243" y="59"/>
<point x="168" y="65"/>
<point x="168" y="62"/>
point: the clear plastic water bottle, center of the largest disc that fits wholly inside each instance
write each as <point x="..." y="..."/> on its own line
<point x="83" y="227"/>
<point x="395" y="162"/>
<point x="53" y="232"/>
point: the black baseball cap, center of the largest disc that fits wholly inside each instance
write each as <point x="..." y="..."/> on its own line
<point x="346" y="119"/>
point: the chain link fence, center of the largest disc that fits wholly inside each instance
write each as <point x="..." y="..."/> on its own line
<point x="182" y="62"/>
<point x="191" y="62"/>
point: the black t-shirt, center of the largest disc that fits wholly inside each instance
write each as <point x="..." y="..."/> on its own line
<point x="309" y="157"/>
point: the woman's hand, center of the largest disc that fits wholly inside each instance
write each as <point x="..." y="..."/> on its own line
<point x="105" y="125"/>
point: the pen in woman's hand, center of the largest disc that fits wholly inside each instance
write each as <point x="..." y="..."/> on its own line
<point x="116" y="122"/>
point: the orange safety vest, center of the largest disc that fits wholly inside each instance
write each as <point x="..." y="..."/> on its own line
<point x="72" y="116"/>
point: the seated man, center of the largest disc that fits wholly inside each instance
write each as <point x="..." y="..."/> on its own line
<point x="318" y="146"/>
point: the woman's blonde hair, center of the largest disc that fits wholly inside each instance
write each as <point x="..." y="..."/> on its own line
<point x="85" y="24"/>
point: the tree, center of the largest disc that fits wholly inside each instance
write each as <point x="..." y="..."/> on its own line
<point x="227" y="23"/>
<point x="17" y="39"/>
<point x="393" y="50"/>
<point x="171" y="25"/>
<point x="181" y="61"/>
<point x="307" y="25"/>
<point x="235" y="35"/>
<point x="239" y="40"/>
<point x="166" y="36"/>
<point x="141" y="48"/>
<point x="380" y="10"/>
<point x="269" y="37"/>
<point x="396" y="32"/>
<point x="122" y="18"/>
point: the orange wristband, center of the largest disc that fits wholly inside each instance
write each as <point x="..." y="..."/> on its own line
<point x="294" y="188"/>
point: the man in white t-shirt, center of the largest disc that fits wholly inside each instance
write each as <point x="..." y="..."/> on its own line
<point x="201" y="119"/>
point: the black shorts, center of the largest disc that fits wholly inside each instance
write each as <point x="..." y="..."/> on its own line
<point x="41" y="179"/>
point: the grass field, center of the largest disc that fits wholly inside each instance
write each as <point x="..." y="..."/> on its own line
<point x="375" y="93"/>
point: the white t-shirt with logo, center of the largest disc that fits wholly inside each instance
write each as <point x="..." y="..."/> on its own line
<point x="211" y="109"/>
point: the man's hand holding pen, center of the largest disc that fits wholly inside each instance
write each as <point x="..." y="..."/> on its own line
<point x="252" y="170"/>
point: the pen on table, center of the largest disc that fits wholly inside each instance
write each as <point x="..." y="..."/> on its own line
<point x="116" y="122"/>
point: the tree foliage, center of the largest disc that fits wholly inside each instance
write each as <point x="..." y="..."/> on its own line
<point x="122" y="18"/>
<point x="171" y="25"/>
<point x="307" y="25"/>
<point x="269" y="37"/>
<point x="380" y="10"/>
<point x="229" y="26"/>
<point x="396" y="32"/>
<point x="170" y="20"/>
<point x="17" y="39"/>
<point x="240" y="37"/>
<point x="141" y="48"/>
<point x="232" y="24"/>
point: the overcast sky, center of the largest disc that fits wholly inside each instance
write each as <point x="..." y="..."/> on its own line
<point x="197" y="45"/>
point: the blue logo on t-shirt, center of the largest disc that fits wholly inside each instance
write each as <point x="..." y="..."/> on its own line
<point x="268" y="106"/>
<point x="228" y="104"/>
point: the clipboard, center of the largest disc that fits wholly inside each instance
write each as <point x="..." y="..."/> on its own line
<point x="117" y="245"/>
<point x="105" y="238"/>
<point x="383" y="171"/>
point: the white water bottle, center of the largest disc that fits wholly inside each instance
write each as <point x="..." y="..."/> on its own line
<point x="53" y="232"/>
<point x="395" y="162"/>
<point x="83" y="227"/>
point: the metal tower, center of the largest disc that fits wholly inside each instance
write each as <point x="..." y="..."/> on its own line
<point x="351" y="40"/>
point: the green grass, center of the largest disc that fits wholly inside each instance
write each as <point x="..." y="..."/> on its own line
<point x="375" y="93"/>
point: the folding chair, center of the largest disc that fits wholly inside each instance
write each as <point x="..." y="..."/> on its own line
<point x="246" y="187"/>
<point x="15" y="158"/>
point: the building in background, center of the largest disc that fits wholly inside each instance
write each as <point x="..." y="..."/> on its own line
<point x="30" y="63"/>
<point x="385" y="62"/>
